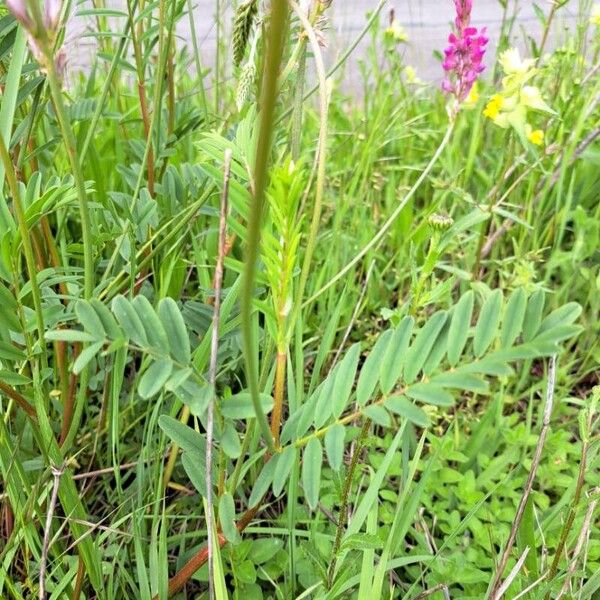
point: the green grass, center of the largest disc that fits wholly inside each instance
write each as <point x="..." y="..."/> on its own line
<point x="382" y="373"/>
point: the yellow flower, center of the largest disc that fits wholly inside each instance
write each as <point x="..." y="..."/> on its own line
<point x="411" y="75"/>
<point x="473" y="96"/>
<point x="493" y="107"/>
<point x="512" y="64"/>
<point x="396" y="32"/>
<point x="595" y="15"/>
<point x="535" y="136"/>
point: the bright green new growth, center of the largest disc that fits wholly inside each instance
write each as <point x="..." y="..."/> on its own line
<point x="405" y="376"/>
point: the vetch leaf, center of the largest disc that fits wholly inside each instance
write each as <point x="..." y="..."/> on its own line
<point x="430" y="394"/>
<point x="422" y="345"/>
<point x="402" y="406"/>
<point x="129" y="320"/>
<point x="189" y="440"/>
<point x="487" y="324"/>
<point x="369" y="373"/>
<point x="334" y="445"/>
<point x="69" y="335"/>
<point x="230" y="441"/>
<point x="89" y="319"/>
<point x="565" y="315"/>
<point x="513" y="318"/>
<point x="155" y="378"/>
<point x="227" y="518"/>
<point x="533" y="315"/>
<point x="85" y="356"/>
<point x="378" y="415"/>
<point x="395" y="355"/>
<point x="111" y="327"/>
<point x="461" y="381"/>
<point x="459" y="327"/>
<point x="240" y="406"/>
<point x="283" y="469"/>
<point x="311" y="471"/>
<point x="344" y="380"/>
<point x="172" y="320"/>
<point x="263" y="481"/>
<point x="155" y="332"/>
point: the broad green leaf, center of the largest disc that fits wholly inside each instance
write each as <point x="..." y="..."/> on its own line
<point x="334" y="445"/>
<point x="89" y="319"/>
<point x="189" y="440"/>
<point x="106" y="317"/>
<point x="324" y="406"/>
<point x="459" y="327"/>
<point x="230" y="441"/>
<point x="311" y="471"/>
<point x="179" y="341"/>
<point x="129" y="320"/>
<point x="402" y="406"/>
<point x="85" y="356"/>
<point x="155" y="332"/>
<point x="195" y="468"/>
<point x="264" y="549"/>
<point x="263" y="481"/>
<point x="437" y="352"/>
<point x="240" y="406"/>
<point x="283" y="469"/>
<point x="10" y="352"/>
<point x="487" y="324"/>
<point x="533" y="315"/>
<point x="422" y="345"/>
<point x="155" y="378"/>
<point x="461" y="381"/>
<point x="13" y="378"/>
<point x="556" y="334"/>
<point x="430" y="394"/>
<point x="512" y="322"/>
<point x="378" y="415"/>
<point x="369" y="373"/>
<point x="227" y="518"/>
<point x="344" y="380"/>
<point x="565" y="315"/>
<point x="395" y="355"/>
<point x="69" y="335"/>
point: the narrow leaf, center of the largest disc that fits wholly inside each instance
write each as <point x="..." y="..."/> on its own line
<point x="311" y="471"/>
<point x="487" y="324"/>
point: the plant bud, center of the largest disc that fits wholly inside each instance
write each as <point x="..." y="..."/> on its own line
<point x="440" y="222"/>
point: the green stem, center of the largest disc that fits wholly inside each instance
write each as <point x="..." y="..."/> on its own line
<point x="70" y="146"/>
<point x="26" y="241"/>
<point x="275" y="46"/>
<point x="392" y="218"/>
<point x="341" y="527"/>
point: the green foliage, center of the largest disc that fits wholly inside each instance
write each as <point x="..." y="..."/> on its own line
<point x="410" y="370"/>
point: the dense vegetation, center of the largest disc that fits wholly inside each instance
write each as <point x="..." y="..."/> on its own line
<point x="367" y="323"/>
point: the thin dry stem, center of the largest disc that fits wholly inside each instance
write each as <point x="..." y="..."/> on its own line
<point x="581" y="539"/>
<point x="496" y="586"/>
<point x="57" y="473"/>
<point x="212" y="373"/>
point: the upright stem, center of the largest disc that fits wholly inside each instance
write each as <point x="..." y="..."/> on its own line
<point x="274" y="53"/>
<point x="70" y="146"/>
<point x="278" y="396"/>
<point x="343" y="519"/>
<point x="212" y="372"/>
<point x="26" y="241"/>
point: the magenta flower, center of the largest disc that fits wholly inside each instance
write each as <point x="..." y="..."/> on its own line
<point x="464" y="56"/>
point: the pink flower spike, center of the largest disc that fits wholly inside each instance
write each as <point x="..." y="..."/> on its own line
<point x="19" y="10"/>
<point x="52" y="10"/>
<point x="464" y="55"/>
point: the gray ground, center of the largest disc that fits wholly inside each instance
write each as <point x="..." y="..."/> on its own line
<point x="426" y="23"/>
